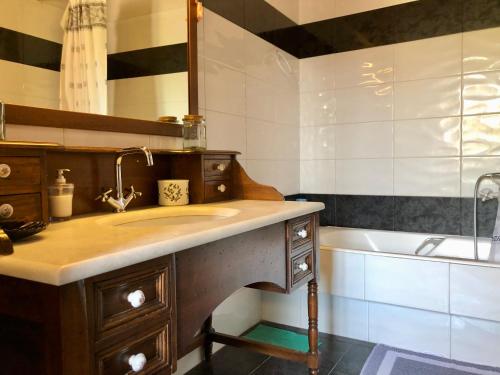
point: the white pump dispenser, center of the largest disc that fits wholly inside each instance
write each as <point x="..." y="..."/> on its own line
<point x="61" y="197"/>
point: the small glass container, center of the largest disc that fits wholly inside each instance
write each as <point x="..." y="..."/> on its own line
<point x="194" y="133"/>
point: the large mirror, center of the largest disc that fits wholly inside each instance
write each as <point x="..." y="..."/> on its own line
<point x="133" y="62"/>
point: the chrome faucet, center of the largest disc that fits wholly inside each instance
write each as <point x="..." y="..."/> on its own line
<point x="3" y="132"/>
<point x="121" y="202"/>
<point x="485" y="195"/>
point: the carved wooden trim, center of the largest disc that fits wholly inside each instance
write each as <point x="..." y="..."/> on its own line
<point x="246" y="188"/>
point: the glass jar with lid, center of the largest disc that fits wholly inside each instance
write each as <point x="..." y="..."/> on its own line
<point x="194" y="132"/>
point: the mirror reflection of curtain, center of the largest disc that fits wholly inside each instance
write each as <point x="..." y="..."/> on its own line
<point x="83" y="86"/>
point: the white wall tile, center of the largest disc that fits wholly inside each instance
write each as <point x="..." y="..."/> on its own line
<point x="474" y="291"/>
<point x="89" y="138"/>
<point x="435" y="177"/>
<point x="427" y="137"/>
<point x="475" y="341"/>
<point x="481" y="50"/>
<point x="284" y="175"/>
<point x="345" y="7"/>
<point x="315" y="10"/>
<point x="364" y="67"/>
<point x="317" y="108"/>
<point x="363" y="104"/>
<point x="34" y="134"/>
<point x="289" y="8"/>
<point x="417" y="330"/>
<point x="342" y="274"/>
<point x="267" y="140"/>
<point x="343" y="316"/>
<point x="407" y="282"/>
<point x="287" y="107"/>
<point x="226" y="132"/>
<point x="317" y="73"/>
<point x="159" y="142"/>
<point x="146" y="31"/>
<point x="481" y="135"/>
<point x="286" y="309"/>
<point x="364" y="176"/>
<point x="239" y="312"/>
<point x="224" y="40"/>
<point x="472" y="168"/>
<point x="317" y="176"/>
<point x="428" y="58"/>
<point x="225" y="89"/>
<point x="481" y="93"/>
<point x="438" y="97"/>
<point x="261" y="99"/>
<point x="317" y="142"/>
<point x="367" y="140"/>
<point x="268" y="63"/>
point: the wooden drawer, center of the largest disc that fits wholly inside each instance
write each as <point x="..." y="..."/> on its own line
<point x="219" y="169"/>
<point x="25" y="207"/>
<point x="154" y="347"/>
<point x="302" y="266"/>
<point x="19" y="175"/>
<point x="131" y="298"/>
<point x="218" y="190"/>
<point x="301" y="233"/>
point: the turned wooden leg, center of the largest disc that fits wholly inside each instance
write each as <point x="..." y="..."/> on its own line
<point x="208" y="345"/>
<point x="312" y="304"/>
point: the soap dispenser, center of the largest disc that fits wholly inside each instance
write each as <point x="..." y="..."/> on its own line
<point x="61" y="197"/>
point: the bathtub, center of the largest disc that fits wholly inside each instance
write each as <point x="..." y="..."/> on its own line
<point x="437" y="247"/>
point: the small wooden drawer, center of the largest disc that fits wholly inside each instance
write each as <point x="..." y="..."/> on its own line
<point x="23" y="207"/>
<point x="219" y="169"/>
<point x="151" y="351"/>
<point x="302" y="266"/>
<point x="131" y="298"/>
<point x="301" y="233"/>
<point x="218" y="190"/>
<point x="19" y="175"/>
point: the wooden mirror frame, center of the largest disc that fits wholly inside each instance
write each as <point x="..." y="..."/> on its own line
<point x="33" y="116"/>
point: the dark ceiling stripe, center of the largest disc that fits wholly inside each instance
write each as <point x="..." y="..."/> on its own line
<point x="147" y="62"/>
<point x="29" y="50"/>
<point x="400" y="23"/>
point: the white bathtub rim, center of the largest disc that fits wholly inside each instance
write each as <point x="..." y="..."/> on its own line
<point x="325" y="247"/>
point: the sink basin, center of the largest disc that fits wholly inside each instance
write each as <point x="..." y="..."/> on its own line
<point x="168" y="216"/>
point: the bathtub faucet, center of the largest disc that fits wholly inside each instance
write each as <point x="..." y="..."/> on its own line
<point x="485" y="195"/>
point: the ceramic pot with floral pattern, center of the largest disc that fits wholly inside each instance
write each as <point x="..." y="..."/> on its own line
<point x="173" y="192"/>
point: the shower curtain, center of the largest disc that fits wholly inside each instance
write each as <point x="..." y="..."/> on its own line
<point x="83" y="86"/>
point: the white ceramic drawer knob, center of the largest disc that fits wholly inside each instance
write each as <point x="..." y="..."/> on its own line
<point x="302" y="233"/>
<point x="136" y="299"/>
<point x="303" y="267"/>
<point x="221" y="167"/>
<point x="5" y="170"/>
<point x="137" y="362"/>
<point x="221" y="188"/>
<point x="6" y="211"/>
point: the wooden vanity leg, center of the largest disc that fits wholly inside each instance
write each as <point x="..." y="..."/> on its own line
<point x="209" y="344"/>
<point x="312" y="304"/>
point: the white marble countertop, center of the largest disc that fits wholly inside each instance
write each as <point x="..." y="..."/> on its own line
<point x="92" y="245"/>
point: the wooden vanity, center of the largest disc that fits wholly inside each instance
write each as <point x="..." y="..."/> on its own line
<point x="143" y="317"/>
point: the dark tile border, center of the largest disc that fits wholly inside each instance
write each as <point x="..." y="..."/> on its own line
<point x="437" y="215"/>
<point x="147" y="62"/>
<point x="29" y="50"/>
<point x="400" y="23"/>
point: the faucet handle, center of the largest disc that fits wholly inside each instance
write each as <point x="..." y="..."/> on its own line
<point x="104" y="197"/>
<point x="487" y="194"/>
<point x="134" y="193"/>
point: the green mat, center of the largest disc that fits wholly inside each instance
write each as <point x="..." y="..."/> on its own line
<point x="279" y="337"/>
